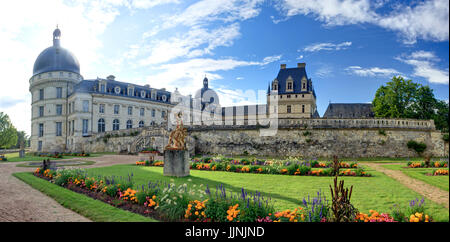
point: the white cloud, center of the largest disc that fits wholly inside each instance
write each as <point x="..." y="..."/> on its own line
<point x="151" y="3"/>
<point x="213" y="10"/>
<point x="327" y="46"/>
<point x="373" y="71"/>
<point x="187" y="76"/>
<point x="424" y="65"/>
<point x="428" y="20"/>
<point x="190" y="44"/>
<point x="332" y="12"/>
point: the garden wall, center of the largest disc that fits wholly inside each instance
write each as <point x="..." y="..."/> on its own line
<point x="310" y="143"/>
<point x="297" y="137"/>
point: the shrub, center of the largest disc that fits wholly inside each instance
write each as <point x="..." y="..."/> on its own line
<point x="382" y="132"/>
<point x="417" y="146"/>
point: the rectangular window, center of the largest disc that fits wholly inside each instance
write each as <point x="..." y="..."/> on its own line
<point x="58" y="128"/>
<point x="73" y="126"/>
<point x="59" y="92"/>
<point x="85" y="105"/>
<point x="101" y="108"/>
<point x="85" y="126"/>
<point x="116" y="109"/>
<point x="102" y="87"/>
<point x="142" y="110"/>
<point x="303" y="108"/>
<point x="58" y="109"/>
<point x="41" y="94"/>
<point x="288" y="108"/>
<point x="70" y="108"/>
<point x="153" y="113"/>
<point x="130" y="92"/>
<point x="289" y="85"/>
<point x="41" y="111"/>
<point x="39" y="145"/>
<point x="41" y="130"/>
<point x="130" y="110"/>
<point x="163" y="114"/>
<point x="304" y="85"/>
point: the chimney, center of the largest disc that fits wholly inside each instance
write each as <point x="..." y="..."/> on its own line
<point x="301" y="65"/>
<point x="283" y="66"/>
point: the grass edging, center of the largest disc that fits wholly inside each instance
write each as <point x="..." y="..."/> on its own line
<point x="92" y="209"/>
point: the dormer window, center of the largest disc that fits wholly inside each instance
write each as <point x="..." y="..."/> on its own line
<point x="130" y="91"/>
<point x="102" y="87"/>
<point x="289" y="84"/>
<point x="143" y="94"/>
<point x="275" y="85"/>
<point x="117" y="90"/>
<point x="304" y="84"/>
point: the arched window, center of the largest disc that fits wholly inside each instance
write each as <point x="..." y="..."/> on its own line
<point x="152" y="123"/>
<point x="116" y="124"/>
<point x="141" y="124"/>
<point x="129" y="124"/>
<point x="101" y="125"/>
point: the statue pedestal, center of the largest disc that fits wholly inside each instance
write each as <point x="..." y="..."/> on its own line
<point x="176" y="163"/>
<point x="21" y="153"/>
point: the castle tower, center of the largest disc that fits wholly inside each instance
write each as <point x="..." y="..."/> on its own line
<point x="292" y="94"/>
<point x="55" y="73"/>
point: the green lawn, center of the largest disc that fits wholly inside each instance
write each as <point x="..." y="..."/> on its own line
<point x="90" y="208"/>
<point x="14" y="157"/>
<point x="379" y="192"/>
<point x="441" y="182"/>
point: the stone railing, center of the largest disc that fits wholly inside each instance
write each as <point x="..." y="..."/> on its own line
<point x="324" y="123"/>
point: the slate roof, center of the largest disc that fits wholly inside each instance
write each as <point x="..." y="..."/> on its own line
<point x="91" y="86"/>
<point x="297" y="75"/>
<point x="56" y="58"/>
<point x="349" y="110"/>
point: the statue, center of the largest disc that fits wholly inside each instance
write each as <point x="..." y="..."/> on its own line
<point x="176" y="137"/>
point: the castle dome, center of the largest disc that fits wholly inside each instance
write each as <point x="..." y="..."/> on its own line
<point x="56" y="58"/>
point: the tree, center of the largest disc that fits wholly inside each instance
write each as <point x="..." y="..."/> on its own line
<point x="395" y="99"/>
<point x="440" y="116"/>
<point x="406" y="99"/>
<point x="22" y="138"/>
<point x="8" y="134"/>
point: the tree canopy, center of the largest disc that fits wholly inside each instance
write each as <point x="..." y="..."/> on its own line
<point x="8" y="133"/>
<point x="402" y="98"/>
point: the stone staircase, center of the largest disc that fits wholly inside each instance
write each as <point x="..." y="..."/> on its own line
<point x="154" y="137"/>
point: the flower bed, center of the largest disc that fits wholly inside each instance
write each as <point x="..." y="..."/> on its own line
<point x="440" y="172"/>
<point x="3" y="158"/>
<point x="170" y="202"/>
<point x="293" y="169"/>
<point x="436" y="164"/>
<point x="150" y="163"/>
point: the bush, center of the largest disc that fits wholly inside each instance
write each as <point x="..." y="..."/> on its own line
<point x="417" y="146"/>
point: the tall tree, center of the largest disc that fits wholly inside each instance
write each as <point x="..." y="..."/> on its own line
<point x="395" y="99"/>
<point x="406" y="99"/>
<point x="440" y="116"/>
<point x="8" y="134"/>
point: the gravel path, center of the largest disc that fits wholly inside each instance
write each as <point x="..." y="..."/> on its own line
<point x="19" y="202"/>
<point x="431" y="192"/>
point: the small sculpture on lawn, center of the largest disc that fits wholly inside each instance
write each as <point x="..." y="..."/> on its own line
<point x="176" y="138"/>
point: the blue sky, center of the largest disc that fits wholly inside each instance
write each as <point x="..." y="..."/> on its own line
<point x="350" y="47"/>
